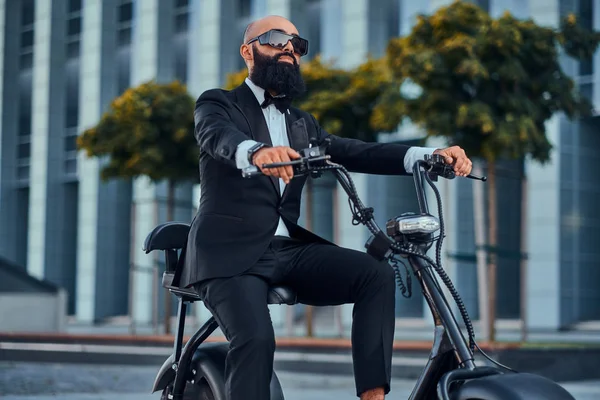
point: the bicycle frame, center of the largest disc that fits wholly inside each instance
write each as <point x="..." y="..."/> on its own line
<point x="449" y="350"/>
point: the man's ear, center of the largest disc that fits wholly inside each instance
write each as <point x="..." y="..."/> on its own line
<point x="246" y="52"/>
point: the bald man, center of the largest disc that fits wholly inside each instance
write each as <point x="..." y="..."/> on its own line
<point x="245" y="237"/>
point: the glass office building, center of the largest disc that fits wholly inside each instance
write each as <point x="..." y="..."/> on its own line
<point x="64" y="61"/>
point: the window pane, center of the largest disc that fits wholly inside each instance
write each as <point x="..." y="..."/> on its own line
<point x="72" y="94"/>
<point x="71" y="166"/>
<point x="123" y="69"/>
<point x="244" y="8"/>
<point x="24" y="150"/>
<point x="26" y="61"/>
<point x="70" y="143"/>
<point x="25" y="88"/>
<point x="27" y="12"/>
<point x="23" y="172"/>
<point x="74" y="27"/>
<point x="181" y="57"/>
<point x="74" y="5"/>
<point x="73" y="49"/>
<point x="124" y="37"/>
<point x="26" y="39"/>
<point x="181" y="23"/>
<point x="125" y="12"/>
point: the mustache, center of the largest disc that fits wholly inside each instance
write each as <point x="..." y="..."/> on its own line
<point x="289" y="55"/>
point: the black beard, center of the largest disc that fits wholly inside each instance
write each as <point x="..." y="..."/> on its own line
<point x="277" y="76"/>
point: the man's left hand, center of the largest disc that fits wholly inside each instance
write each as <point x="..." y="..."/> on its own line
<point x="456" y="157"/>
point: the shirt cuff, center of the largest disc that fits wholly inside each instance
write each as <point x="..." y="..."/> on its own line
<point x="416" y="153"/>
<point x="241" y="154"/>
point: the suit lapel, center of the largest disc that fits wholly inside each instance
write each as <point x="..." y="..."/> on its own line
<point x="256" y="120"/>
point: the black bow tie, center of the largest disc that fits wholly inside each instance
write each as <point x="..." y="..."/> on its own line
<point x="282" y="103"/>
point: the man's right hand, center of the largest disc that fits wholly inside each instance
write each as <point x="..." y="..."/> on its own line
<point x="268" y="155"/>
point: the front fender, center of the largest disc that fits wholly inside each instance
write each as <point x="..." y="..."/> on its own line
<point x="208" y="362"/>
<point x="165" y="375"/>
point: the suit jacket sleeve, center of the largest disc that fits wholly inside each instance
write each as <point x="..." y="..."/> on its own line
<point x="215" y="131"/>
<point x="365" y="157"/>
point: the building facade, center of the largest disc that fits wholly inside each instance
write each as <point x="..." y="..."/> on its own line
<point x="65" y="60"/>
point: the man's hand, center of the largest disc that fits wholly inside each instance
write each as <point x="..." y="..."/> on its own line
<point x="456" y="157"/>
<point x="268" y="155"/>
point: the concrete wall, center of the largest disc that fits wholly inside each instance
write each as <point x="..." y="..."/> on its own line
<point x="33" y="312"/>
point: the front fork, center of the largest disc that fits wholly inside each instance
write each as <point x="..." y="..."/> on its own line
<point x="179" y="362"/>
<point x="449" y="351"/>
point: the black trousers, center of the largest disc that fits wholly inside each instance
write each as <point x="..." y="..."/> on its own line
<point x="321" y="275"/>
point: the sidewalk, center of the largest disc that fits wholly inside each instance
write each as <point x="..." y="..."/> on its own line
<point x="407" y="330"/>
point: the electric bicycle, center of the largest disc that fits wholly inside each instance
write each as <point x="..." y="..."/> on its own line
<point x="196" y="371"/>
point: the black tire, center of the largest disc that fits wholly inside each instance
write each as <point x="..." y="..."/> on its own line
<point x="191" y="392"/>
<point x="204" y="391"/>
<point x="209" y="364"/>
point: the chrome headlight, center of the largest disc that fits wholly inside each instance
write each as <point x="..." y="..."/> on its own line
<point x="410" y="224"/>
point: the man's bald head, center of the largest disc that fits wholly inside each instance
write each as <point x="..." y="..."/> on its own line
<point x="274" y="67"/>
<point x="264" y="24"/>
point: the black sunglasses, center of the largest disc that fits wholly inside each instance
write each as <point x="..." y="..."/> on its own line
<point x="279" y="40"/>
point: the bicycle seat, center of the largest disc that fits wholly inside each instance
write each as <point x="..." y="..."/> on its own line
<point x="167" y="236"/>
<point x="276" y="294"/>
<point x="520" y="386"/>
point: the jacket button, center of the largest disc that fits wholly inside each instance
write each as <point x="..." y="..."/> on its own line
<point x="224" y="152"/>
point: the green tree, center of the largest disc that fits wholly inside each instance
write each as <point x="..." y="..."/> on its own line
<point x="488" y="85"/>
<point x="147" y="131"/>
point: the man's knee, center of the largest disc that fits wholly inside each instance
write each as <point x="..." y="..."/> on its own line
<point x="259" y="341"/>
<point x="376" y="277"/>
<point x="382" y="275"/>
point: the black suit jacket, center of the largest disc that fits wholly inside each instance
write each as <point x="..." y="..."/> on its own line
<point x="237" y="216"/>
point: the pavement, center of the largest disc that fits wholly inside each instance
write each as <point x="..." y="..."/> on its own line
<point x="325" y="327"/>
<point x="45" y="381"/>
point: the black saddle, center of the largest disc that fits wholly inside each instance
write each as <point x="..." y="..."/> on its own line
<point x="171" y="237"/>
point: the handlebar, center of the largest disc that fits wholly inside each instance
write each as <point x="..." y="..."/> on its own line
<point x="311" y="157"/>
<point x="314" y="158"/>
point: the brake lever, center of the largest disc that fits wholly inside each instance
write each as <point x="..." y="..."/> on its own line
<point x="478" y="178"/>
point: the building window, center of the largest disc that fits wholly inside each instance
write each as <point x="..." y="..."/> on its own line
<point x="125" y="12"/>
<point x="243" y="13"/>
<point x="244" y="8"/>
<point x="180" y="37"/>
<point x="586" y="15"/>
<point x="73" y="29"/>
<point x="483" y="4"/>
<point x="313" y="34"/>
<point x="73" y="43"/>
<point x="74" y="5"/>
<point x="25" y="89"/>
<point x="27" y="12"/>
<point x="124" y="34"/>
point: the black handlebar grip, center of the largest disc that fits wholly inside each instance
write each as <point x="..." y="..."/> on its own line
<point x="251" y="171"/>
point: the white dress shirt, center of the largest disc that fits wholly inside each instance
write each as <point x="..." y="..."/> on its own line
<point x="278" y="131"/>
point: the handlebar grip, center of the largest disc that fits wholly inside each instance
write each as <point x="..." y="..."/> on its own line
<point x="251" y="171"/>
